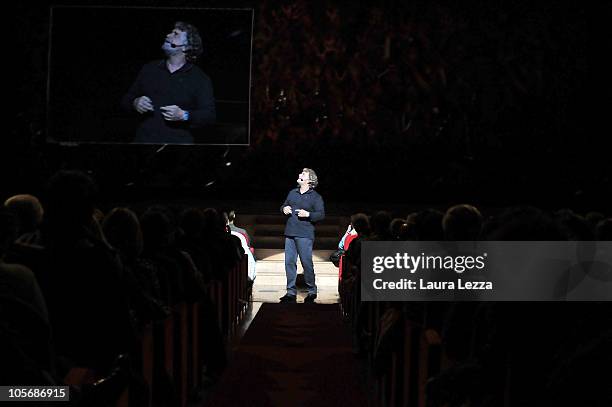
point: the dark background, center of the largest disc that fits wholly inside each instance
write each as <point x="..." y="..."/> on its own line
<point x="96" y="53"/>
<point x="480" y="102"/>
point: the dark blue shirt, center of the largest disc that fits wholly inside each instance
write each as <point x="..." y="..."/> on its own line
<point x="310" y="201"/>
<point x="189" y="88"/>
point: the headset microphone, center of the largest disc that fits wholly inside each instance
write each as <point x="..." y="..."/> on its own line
<point x="176" y="46"/>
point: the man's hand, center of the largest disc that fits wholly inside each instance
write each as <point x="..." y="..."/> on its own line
<point x="301" y="213"/>
<point x="172" y="113"/>
<point x="143" y="104"/>
<point x="287" y="210"/>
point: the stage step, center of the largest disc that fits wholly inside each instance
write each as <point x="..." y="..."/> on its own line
<point x="280" y="219"/>
<point x="276" y="230"/>
<point x="278" y="242"/>
<point x="279" y="255"/>
<point x="267" y="231"/>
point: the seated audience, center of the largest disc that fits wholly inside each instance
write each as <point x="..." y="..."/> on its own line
<point x="245" y="248"/>
<point x="81" y="277"/>
<point x="231" y="218"/>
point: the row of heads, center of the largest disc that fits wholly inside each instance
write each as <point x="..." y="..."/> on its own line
<point x="73" y="194"/>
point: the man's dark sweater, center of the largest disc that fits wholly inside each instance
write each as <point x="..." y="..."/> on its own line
<point x="310" y="201"/>
<point x="188" y="88"/>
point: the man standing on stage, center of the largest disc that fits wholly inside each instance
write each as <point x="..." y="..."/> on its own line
<point x="172" y="96"/>
<point x="303" y="206"/>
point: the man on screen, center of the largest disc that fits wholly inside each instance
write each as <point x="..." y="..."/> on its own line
<point x="303" y="206"/>
<point x="172" y="96"/>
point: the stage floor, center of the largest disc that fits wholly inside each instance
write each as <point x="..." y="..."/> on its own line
<point x="271" y="281"/>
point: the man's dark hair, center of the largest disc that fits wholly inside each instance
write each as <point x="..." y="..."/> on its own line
<point x="70" y="198"/>
<point x="462" y="222"/>
<point x="192" y="222"/>
<point x="213" y="222"/>
<point x="395" y="227"/>
<point x="194" y="41"/>
<point x="428" y="225"/>
<point x="156" y="229"/>
<point x="361" y="223"/>
<point x="380" y="223"/>
<point x="28" y="212"/>
<point x="122" y="230"/>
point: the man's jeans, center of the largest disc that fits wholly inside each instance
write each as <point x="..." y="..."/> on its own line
<point x="303" y="247"/>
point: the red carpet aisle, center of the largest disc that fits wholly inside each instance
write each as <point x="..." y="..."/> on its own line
<point x="293" y="355"/>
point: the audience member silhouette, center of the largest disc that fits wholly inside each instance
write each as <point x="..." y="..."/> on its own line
<point x="224" y="249"/>
<point x="462" y="222"/>
<point x="25" y="332"/>
<point x="192" y="240"/>
<point x="395" y="228"/>
<point x="29" y="213"/>
<point x="380" y="224"/>
<point x="231" y="218"/>
<point x="428" y="225"/>
<point x="122" y="231"/>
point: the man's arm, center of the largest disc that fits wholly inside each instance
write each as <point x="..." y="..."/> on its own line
<point x="318" y="213"/>
<point x="285" y="204"/>
<point x="205" y="112"/>
<point x="135" y="90"/>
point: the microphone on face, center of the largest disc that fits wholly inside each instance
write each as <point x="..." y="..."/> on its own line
<point x="176" y="46"/>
